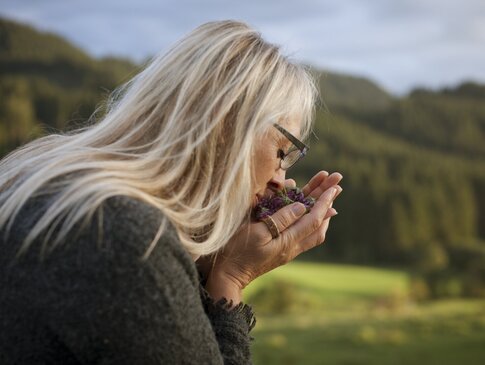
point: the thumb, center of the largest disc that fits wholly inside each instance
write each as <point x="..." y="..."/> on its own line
<point x="288" y="215"/>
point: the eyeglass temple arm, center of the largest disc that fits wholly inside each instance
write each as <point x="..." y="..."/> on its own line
<point x="301" y="146"/>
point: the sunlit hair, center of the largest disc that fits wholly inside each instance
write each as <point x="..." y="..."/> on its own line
<point x="180" y="136"/>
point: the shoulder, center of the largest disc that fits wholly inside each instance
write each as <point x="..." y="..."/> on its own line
<point x="115" y="237"/>
<point x="133" y="224"/>
<point x="129" y="226"/>
<point x="131" y="218"/>
<point x="101" y="300"/>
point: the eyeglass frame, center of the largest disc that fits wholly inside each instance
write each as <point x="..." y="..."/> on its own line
<point x="297" y="145"/>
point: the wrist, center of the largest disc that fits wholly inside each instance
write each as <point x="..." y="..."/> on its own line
<point x="220" y="286"/>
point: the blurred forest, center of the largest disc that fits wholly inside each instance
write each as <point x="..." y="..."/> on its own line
<point x="413" y="166"/>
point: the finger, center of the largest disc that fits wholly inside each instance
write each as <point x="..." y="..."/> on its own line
<point x="290" y="183"/>
<point x="316" y="238"/>
<point x="330" y="213"/>
<point x="314" y="182"/>
<point x="288" y="215"/>
<point x="294" y="248"/>
<point x="312" y="221"/>
<point x="333" y="179"/>
<point x="322" y="183"/>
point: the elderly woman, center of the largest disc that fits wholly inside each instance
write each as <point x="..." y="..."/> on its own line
<point x="129" y="241"/>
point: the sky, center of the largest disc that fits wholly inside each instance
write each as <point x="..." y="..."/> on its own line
<point x="399" y="44"/>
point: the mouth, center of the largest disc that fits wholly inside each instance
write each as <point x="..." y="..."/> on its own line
<point x="267" y="194"/>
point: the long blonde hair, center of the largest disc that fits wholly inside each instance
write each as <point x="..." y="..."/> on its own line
<point x="180" y="136"/>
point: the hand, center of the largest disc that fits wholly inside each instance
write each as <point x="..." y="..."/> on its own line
<point x="317" y="185"/>
<point x="252" y="251"/>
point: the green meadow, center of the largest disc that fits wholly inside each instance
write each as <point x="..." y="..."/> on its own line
<point x="309" y="313"/>
<point x="414" y="176"/>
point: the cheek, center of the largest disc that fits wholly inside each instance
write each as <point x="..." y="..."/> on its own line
<point x="265" y="163"/>
<point x="264" y="171"/>
<point x="263" y="175"/>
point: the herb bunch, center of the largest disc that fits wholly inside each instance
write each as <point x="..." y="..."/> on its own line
<point x="269" y="205"/>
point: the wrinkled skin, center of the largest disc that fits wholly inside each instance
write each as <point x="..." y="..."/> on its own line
<point x="252" y="251"/>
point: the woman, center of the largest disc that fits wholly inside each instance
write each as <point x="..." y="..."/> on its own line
<point x="102" y="227"/>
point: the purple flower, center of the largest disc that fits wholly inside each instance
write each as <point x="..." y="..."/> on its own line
<point x="269" y="205"/>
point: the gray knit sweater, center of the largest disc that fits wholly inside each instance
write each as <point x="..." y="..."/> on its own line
<point x="95" y="302"/>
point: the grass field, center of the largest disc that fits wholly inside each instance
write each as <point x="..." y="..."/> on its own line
<point x="339" y="314"/>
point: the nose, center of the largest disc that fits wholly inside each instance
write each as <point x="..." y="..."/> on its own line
<point x="277" y="182"/>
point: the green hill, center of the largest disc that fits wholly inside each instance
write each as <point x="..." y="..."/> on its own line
<point x="23" y="43"/>
<point x="449" y="121"/>
<point x="413" y="167"/>
<point x="46" y="83"/>
<point x="341" y="92"/>
<point x="25" y="51"/>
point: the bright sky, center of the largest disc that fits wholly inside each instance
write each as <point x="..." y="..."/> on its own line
<point x="400" y="44"/>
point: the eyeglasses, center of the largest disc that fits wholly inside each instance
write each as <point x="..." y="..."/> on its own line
<point x="296" y="152"/>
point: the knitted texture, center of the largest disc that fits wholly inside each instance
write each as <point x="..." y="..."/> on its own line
<point x="93" y="301"/>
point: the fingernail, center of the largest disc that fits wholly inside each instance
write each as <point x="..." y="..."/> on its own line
<point x="298" y="208"/>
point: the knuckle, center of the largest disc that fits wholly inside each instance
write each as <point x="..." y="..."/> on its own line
<point x="284" y="220"/>
<point x="284" y="257"/>
<point x="315" y="224"/>
<point x="321" y="237"/>
<point x="292" y="253"/>
<point x="289" y="236"/>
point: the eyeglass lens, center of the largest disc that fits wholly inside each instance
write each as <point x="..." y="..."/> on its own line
<point x="291" y="158"/>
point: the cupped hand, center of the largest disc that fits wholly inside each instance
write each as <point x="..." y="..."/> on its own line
<point x="252" y="251"/>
